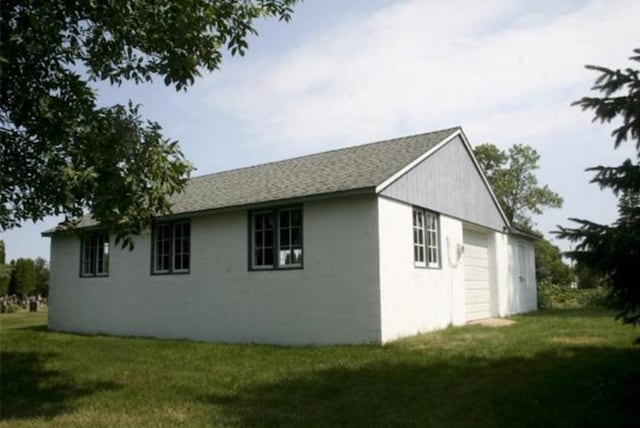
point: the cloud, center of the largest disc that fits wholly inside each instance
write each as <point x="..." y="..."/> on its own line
<point x="344" y="73"/>
<point x="495" y="67"/>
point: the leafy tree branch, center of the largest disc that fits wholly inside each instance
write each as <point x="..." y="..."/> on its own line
<point x="60" y="152"/>
<point x="512" y="176"/>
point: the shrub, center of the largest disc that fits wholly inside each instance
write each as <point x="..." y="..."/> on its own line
<point x="554" y="296"/>
<point x="13" y="307"/>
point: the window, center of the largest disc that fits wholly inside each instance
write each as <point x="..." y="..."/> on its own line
<point x="94" y="254"/>
<point x="276" y="239"/>
<point x="181" y="235"/>
<point x="171" y="247"/>
<point x="426" y="240"/>
<point x="418" y="237"/>
<point x="433" y="259"/>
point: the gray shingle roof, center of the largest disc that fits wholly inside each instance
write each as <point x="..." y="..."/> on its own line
<point x="339" y="170"/>
<point x="351" y="168"/>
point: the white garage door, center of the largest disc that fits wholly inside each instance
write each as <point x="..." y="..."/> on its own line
<point x="476" y="275"/>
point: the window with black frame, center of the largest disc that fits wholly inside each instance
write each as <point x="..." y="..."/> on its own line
<point x="171" y="247"/>
<point x="94" y="254"/>
<point x="276" y="239"/>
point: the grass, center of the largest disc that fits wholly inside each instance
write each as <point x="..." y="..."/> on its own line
<point x="557" y="368"/>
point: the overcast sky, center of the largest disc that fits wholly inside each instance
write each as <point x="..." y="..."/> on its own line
<point x="350" y="72"/>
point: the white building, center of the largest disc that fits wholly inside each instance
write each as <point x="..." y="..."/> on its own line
<point x="361" y="245"/>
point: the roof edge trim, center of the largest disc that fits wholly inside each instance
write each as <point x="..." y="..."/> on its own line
<point x="250" y="206"/>
<point x="530" y="235"/>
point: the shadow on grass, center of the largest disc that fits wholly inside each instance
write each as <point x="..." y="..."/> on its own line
<point x="36" y="328"/>
<point x="30" y="389"/>
<point x="571" y="387"/>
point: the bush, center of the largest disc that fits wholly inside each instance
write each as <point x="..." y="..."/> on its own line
<point x="13" y="308"/>
<point x="554" y="296"/>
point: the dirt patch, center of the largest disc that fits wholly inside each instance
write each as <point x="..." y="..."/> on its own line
<point x="493" y="322"/>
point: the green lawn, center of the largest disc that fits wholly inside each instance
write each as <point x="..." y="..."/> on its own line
<point x="551" y="369"/>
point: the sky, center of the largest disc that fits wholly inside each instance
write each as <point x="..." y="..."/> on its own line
<point x="343" y="73"/>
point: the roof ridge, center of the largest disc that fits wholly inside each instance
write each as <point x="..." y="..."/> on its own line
<point x="324" y="152"/>
<point x="363" y="166"/>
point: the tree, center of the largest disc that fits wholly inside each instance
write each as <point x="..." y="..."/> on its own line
<point x="512" y="177"/>
<point x="586" y="277"/>
<point x="24" y="277"/>
<point x="5" y="271"/>
<point x="613" y="251"/>
<point x="11" y="289"/>
<point x="60" y="152"/>
<point x="550" y="268"/>
<point x="41" y="277"/>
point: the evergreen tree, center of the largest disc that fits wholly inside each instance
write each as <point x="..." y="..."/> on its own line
<point x="613" y="251"/>
<point x="11" y="289"/>
<point x="5" y="271"/>
<point x="586" y="276"/>
<point x="24" y="277"/>
<point x="42" y="277"/>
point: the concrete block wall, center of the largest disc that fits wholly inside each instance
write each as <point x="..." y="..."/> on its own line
<point x="333" y="299"/>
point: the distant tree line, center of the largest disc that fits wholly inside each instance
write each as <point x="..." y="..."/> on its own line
<point x="23" y="277"/>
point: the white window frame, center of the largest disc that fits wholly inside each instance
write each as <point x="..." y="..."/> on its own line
<point x="432" y="234"/>
<point x="94" y="247"/>
<point x="419" y="247"/>
<point x="179" y="252"/>
<point x="277" y="247"/>
<point x="170" y="236"/>
<point x="426" y="238"/>
<point x="291" y="248"/>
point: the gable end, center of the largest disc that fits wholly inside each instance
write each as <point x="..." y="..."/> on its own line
<point x="449" y="180"/>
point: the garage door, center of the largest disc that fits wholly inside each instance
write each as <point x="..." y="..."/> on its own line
<point x="476" y="275"/>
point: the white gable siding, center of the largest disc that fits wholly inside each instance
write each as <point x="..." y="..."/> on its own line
<point x="334" y="299"/>
<point x="449" y="182"/>
<point x="415" y="300"/>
